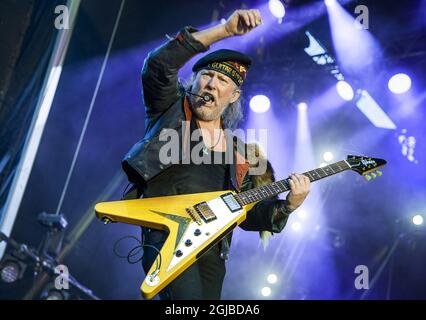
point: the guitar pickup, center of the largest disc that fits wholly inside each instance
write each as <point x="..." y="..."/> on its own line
<point x="205" y="212"/>
<point x="231" y="202"/>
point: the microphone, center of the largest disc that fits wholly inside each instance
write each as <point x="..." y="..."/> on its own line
<point x="206" y="96"/>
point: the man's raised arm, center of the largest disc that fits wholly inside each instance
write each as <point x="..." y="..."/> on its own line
<point x="160" y="71"/>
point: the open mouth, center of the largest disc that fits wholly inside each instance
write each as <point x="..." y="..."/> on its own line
<point x="207" y="97"/>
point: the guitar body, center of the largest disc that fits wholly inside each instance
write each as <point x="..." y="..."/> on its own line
<point x="192" y="229"/>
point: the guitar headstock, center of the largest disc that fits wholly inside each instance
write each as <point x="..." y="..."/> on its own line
<point x="366" y="166"/>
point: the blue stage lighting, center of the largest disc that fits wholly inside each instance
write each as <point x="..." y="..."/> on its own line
<point x="302" y="106"/>
<point x="345" y="90"/>
<point x="260" y="103"/>
<point x="418" y="220"/>
<point x="277" y="9"/>
<point x="399" y="83"/>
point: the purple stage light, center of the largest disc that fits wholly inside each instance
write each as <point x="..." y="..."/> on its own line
<point x="357" y="52"/>
<point x="328" y="156"/>
<point x="260" y="103"/>
<point x="296" y="226"/>
<point x="302" y="106"/>
<point x="345" y="90"/>
<point x="329" y="2"/>
<point x="399" y="83"/>
<point x="418" y="220"/>
<point x="277" y="9"/>
<point x="302" y="214"/>
<point x="272" y="278"/>
<point x="266" y="291"/>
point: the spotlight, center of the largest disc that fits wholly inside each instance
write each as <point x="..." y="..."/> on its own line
<point x="302" y="106"/>
<point x="223" y="21"/>
<point x="11" y="269"/>
<point x="302" y="214"/>
<point x="272" y="278"/>
<point x="399" y="83"/>
<point x="328" y="156"/>
<point x="296" y="226"/>
<point x="10" y="272"/>
<point x="277" y="9"/>
<point x="329" y="2"/>
<point x="266" y="291"/>
<point x="345" y="90"/>
<point x="260" y="103"/>
<point x="418" y="220"/>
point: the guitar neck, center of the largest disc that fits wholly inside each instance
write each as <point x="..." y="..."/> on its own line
<point x="277" y="187"/>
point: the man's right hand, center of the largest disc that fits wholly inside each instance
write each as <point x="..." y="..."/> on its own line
<point x="242" y="22"/>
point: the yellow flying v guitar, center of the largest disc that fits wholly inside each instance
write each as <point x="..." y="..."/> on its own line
<point x="195" y="222"/>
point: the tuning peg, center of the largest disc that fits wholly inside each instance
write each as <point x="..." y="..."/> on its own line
<point x="367" y="177"/>
<point x="379" y="173"/>
<point x="373" y="175"/>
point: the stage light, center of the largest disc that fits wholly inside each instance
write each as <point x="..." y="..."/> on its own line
<point x="277" y="9"/>
<point x="370" y="108"/>
<point x="223" y="21"/>
<point x="328" y="156"/>
<point x="329" y="2"/>
<point x="10" y="272"/>
<point x="315" y="48"/>
<point x="418" y="220"/>
<point x="345" y="90"/>
<point x="266" y="291"/>
<point x="260" y="103"/>
<point x="302" y="106"/>
<point x="272" y="278"/>
<point x="302" y="214"/>
<point x="399" y="83"/>
<point x="296" y="226"/>
<point x="11" y="269"/>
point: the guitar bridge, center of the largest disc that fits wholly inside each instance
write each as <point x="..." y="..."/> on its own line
<point x="205" y="212"/>
<point x="194" y="215"/>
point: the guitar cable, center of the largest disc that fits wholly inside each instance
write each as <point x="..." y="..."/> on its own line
<point x="135" y="250"/>
<point x="138" y="248"/>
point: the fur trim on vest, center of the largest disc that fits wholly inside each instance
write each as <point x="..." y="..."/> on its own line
<point x="254" y="156"/>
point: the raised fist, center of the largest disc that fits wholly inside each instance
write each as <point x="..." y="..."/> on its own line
<point x="243" y="21"/>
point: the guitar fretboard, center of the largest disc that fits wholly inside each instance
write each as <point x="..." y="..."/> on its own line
<point x="277" y="187"/>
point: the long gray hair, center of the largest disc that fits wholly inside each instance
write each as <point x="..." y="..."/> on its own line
<point x="232" y="115"/>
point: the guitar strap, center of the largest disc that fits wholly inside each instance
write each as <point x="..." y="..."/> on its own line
<point x="135" y="192"/>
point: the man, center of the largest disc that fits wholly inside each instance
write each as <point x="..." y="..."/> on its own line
<point x="209" y="104"/>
